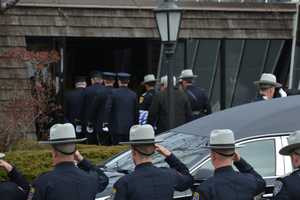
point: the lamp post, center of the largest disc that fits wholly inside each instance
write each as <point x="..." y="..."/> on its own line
<point x="168" y="20"/>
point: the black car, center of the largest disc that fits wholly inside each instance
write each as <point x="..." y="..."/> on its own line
<point x="262" y="128"/>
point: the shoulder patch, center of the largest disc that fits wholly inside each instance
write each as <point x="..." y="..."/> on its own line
<point x="277" y="187"/>
<point x="196" y="196"/>
<point x="142" y="99"/>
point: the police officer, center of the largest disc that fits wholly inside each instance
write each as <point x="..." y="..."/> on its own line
<point x="67" y="181"/>
<point x="197" y="97"/>
<point x="109" y="80"/>
<point x="17" y="187"/>
<point x="123" y="110"/>
<point x="146" y="98"/>
<point x="94" y="110"/>
<point x="287" y="188"/>
<point x="266" y="86"/>
<point x="158" y="113"/>
<point x="74" y="106"/>
<point x="148" y="182"/>
<point x="226" y="183"/>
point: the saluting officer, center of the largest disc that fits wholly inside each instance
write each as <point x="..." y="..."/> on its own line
<point x="146" y="98"/>
<point x="68" y="181"/>
<point x="197" y="97"/>
<point x="17" y="188"/>
<point x="74" y="105"/>
<point x="95" y="104"/>
<point x="267" y="85"/>
<point x="123" y="110"/>
<point x="148" y="182"/>
<point x="226" y="183"/>
<point x="287" y="188"/>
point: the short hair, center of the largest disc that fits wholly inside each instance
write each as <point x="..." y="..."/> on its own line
<point x="65" y="149"/>
<point x="145" y="150"/>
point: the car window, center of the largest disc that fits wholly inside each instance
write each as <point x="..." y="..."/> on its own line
<point x="260" y="154"/>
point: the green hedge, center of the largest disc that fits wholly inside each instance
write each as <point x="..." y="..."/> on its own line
<point x="33" y="159"/>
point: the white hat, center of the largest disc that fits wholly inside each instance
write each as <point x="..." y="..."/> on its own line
<point x="187" y="74"/>
<point x="149" y="78"/>
<point x="164" y="81"/>
<point x="267" y="80"/>
<point x="221" y="139"/>
<point x="62" y="134"/>
<point x="2" y="155"/>
<point x="142" y="134"/>
<point x="293" y="144"/>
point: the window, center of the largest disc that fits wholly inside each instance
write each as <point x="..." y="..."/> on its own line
<point x="260" y="154"/>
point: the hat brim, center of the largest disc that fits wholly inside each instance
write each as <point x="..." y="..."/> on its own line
<point x="258" y="83"/>
<point x="142" y="142"/>
<point x="2" y="155"/>
<point x="63" y="141"/>
<point x="187" y="77"/>
<point x="289" y="149"/>
<point x="145" y="82"/>
<point x="221" y="147"/>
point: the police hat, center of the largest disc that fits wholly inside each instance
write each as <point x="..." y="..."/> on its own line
<point x="96" y="74"/>
<point x="2" y="155"/>
<point x="123" y="76"/>
<point x="109" y="75"/>
<point x="149" y="78"/>
<point x="293" y="144"/>
<point x="79" y="79"/>
<point x="142" y="134"/>
<point x="62" y="134"/>
<point x="221" y="139"/>
<point x="267" y="80"/>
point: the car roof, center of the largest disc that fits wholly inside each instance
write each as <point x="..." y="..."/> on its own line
<point x="280" y="115"/>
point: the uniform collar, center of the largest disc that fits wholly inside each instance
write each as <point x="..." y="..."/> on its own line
<point x="64" y="165"/>
<point x="222" y="170"/>
<point x="143" y="165"/>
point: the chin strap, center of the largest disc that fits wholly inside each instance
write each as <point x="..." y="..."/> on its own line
<point x="65" y="153"/>
<point x="225" y="155"/>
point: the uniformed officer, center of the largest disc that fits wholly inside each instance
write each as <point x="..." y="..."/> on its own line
<point x="123" y="110"/>
<point x="148" y="182"/>
<point x="68" y="181"/>
<point x="197" y="97"/>
<point x="146" y="98"/>
<point x="158" y="113"/>
<point x="287" y="188"/>
<point x="94" y="110"/>
<point x="17" y="187"/>
<point x="226" y="183"/>
<point x="109" y="80"/>
<point x="74" y="106"/>
<point x="266" y="86"/>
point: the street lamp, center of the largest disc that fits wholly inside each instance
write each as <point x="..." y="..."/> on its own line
<point x="168" y="20"/>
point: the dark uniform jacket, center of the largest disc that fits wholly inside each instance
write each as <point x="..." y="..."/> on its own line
<point x="146" y="99"/>
<point x="148" y="182"/>
<point x="74" y="107"/>
<point x="123" y="112"/>
<point x="288" y="187"/>
<point x="16" y="188"/>
<point x="158" y="113"/>
<point x="259" y="98"/>
<point x="228" y="184"/>
<point x="199" y="101"/>
<point x="68" y="182"/>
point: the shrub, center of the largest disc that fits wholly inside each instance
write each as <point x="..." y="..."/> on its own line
<point x="33" y="159"/>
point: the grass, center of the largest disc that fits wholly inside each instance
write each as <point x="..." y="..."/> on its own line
<point x="33" y="159"/>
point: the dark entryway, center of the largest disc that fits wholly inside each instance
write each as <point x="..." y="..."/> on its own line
<point x="135" y="56"/>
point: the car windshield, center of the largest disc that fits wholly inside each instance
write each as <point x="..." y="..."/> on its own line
<point x="185" y="147"/>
